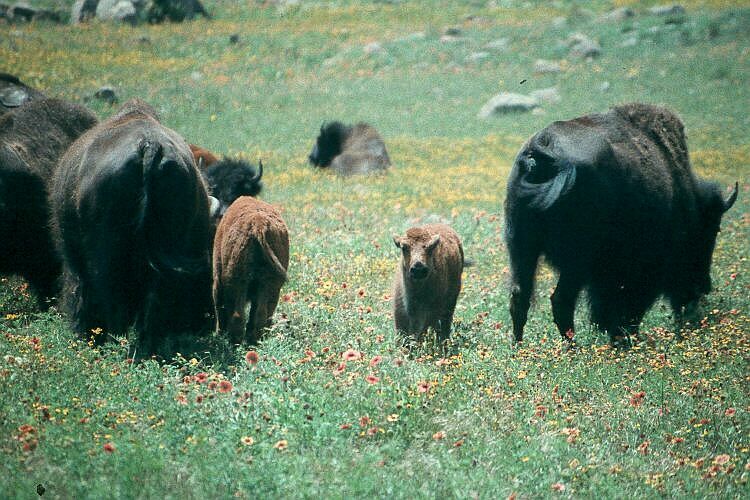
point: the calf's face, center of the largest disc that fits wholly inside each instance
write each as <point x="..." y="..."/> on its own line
<point x="417" y="255"/>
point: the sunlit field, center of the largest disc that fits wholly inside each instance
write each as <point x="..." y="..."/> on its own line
<point x="329" y="404"/>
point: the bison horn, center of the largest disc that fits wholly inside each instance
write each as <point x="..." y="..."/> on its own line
<point x="257" y="176"/>
<point x="732" y="197"/>
<point x="200" y="163"/>
<point x="215" y="205"/>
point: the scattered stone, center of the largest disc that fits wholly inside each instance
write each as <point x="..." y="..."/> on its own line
<point x="106" y="94"/>
<point x="507" y="102"/>
<point x="549" y="95"/>
<point x="604" y="86"/>
<point x="134" y="11"/>
<point x="83" y="10"/>
<point x="544" y="66"/>
<point x="630" y="41"/>
<point x="618" y="15"/>
<point x="453" y="31"/>
<point x="374" y="48"/>
<point x="667" y="10"/>
<point x="116" y="10"/>
<point x="477" y="56"/>
<point x="582" y="46"/>
<point x="234" y="38"/>
<point x="500" y="44"/>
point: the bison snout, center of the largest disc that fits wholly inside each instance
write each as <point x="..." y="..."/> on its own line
<point x="418" y="271"/>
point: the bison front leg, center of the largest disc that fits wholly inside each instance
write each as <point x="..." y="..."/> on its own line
<point x="564" y="304"/>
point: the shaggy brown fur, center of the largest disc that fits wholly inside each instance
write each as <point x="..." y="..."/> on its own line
<point x="428" y="280"/>
<point x="131" y="219"/>
<point x="33" y="137"/>
<point x="200" y="153"/>
<point x="350" y="150"/>
<point x="251" y="255"/>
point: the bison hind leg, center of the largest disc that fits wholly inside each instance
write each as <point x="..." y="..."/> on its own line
<point x="263" y="306"/>
<point x="563" y="301"/>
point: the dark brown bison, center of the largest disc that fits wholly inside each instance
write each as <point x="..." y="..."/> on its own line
<point x="611" y="201"/>
<point x="428" y="280"/>
<point x="350" y="150"/>
<point x="33" y="137"/>
<point x="14" y="93"/>
<point x="251" y="255"/>
<point x="229" y="178"/>
<point x="131" y="219"/>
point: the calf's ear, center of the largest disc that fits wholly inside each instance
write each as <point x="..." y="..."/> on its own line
<point x="732" y="197"/>
<point x="433" y="243"/>
<point x="397" y="241"/>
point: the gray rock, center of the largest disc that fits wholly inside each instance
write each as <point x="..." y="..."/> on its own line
<point x="549" y="95"/>
<point x="544" y="66"/>
<point x="83" y="10"/>
<point x="507" y="102"/>
<point x="582" y="46"/>
<point x="477" y="56"/>
<point x="500" y="44"/>
<point x="106" y="94"/>
<point x="617" y="15"/>
<point x="604" y="86"/>
<point x="667" y="10"/>
<point x="117" y="10"/>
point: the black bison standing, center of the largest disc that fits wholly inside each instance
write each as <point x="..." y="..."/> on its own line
<point x="611" y="201"/>
<point x="350" y="150"/>
<point x="33" y="137"/>
<point x="131" y="216"/>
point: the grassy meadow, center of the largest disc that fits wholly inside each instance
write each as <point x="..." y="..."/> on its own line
<point x="329" y="404"/>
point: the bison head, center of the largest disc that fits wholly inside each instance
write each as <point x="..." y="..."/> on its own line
<point x="417" y="249"/>
<point x="328" y="144"/>
<point x="712" y="206"/>
<point x="228" y="179"/>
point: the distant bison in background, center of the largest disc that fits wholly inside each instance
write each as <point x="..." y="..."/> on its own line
<point x="251" y="255"/>
<point x="612" y="203"/>
<point x="428" y="280"/>
<point x="228" y="179"/>
<point x="32" y="140"/>
<point x="350" y="150"/>
<point x="131" y="220"/>
<point x="14" y="93"/>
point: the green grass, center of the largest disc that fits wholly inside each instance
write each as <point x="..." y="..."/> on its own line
<point x="494" y="420"/>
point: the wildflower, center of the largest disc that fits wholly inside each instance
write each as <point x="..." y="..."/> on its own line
<point x="212" y="385"/>
<point x="364" y="421"/>
<point x="721" y="459"/>
<point x="541" y="411"/>
<point x="458" y="443"/>
<point x="398" y="362"/>
<point x="379" y="338"/>
<point x="109" y="447"/>
<point x="729" y="412"/>
<point x="247" y="440"/>
<point x="251" y="357"/>
<point x="340" y="368"/>
<point x="345" y="427"/>
<point x="351" y="355"/>
<point x="372" y="379"/>
<point x="201" y="377"/>
<point x="439" y="435"/>
<point x="372" y="431"/>
<point x="281" y="445"/>
<point x="361" y="292"/>
<point x="637" y="399"/>
<point x="423" y="386"/>
<point x="643" y="447"/>
<point x="558" y="487"/>
<point x="392" y="417"/>
<point x="199" y="398"/>
<point x="376" y="360"/>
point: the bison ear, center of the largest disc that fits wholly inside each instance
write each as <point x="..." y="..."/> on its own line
<point x="397" y="241"/>
<point x="732" y="197"/>
<point x="433" y="243"/>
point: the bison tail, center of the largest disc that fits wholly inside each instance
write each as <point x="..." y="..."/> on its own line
<point x="271" y="257"/>
<point x="545" y="180"/>
<point x="161" y="222"/>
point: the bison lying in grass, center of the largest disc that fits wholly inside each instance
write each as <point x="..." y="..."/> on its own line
<point x="131" y="219"/>
<point x="251" y="255"/>
<point x="612" y="203"/>
<point x="428" y="280"/>
<point x="350" y="150"/>
<point x="32" y="140"/>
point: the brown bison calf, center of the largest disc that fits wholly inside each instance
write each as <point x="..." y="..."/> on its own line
<point x="251" y="255"/>
<point x="427" y="282"/>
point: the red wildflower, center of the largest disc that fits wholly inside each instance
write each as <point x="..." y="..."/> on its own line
<point x="345" y="426"/>
<point x="201" y="377"/>
<point x="212" y="385"/>
<point x="361" y="292"/>
<point x="372" y="431"/>
<point x="364" y="421"/>
<point x="225" y="386"/>
<point x="379" y="338"/>
<point x="439" y="435"/>
<point x="251" y="357"/>
<point x="281" y="445"/>
<point x="423" y="386"/>
<point x="637" y="399"/>
<point x="376" y="360"/>
<point x="729" y="412"/>
<point x="109" y="447"/>
<point x="340" y="368"/>
<point x="558" y="487"/>
<point x="721" y="459"/>
<point x="351" y="355"/>
<point x="643" y="447"/>
<point x="372" y="379"/>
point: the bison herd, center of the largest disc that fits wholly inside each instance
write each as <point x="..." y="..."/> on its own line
<point x="129" y="226"/>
